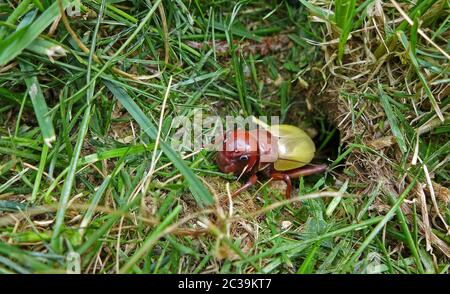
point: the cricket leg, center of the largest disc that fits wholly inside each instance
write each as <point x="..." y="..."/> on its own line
<point x="251" y="181"/>
<point x="286" y="176"/>
<point x="306" y="170"/>
<point x="281" y="176"/>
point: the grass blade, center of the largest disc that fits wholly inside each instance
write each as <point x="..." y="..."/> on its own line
<point x="21" y="9"/>
<point x="308" y="265"/>
<point x="150" y="241"/>
<point x="410" y="47"/>
<point x="95" y="200"/>
<point x="335" y="202"/>
<point x="37" y="180"/>
<point x="40" y="106"/>
<point x="318" y="11"/>
<point x="15" y="43"/>
<point x="23" y="258"/>
<point x="392" y="120"/>
<point x="380" y="225"/>
<point x="200" y="193"/>
<point x="70" y="179"/>
<point x="409" y="239"/>
<point x="345" y="11"/>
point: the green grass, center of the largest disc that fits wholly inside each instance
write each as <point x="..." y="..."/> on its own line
<point x="87" y="168"/>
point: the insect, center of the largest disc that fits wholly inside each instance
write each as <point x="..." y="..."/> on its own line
<point x="279" y="152"/>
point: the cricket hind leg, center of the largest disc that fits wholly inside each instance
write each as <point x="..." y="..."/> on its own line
<point x="286" y="176"/>
<point x="306" y="170"/>
<point x="280" y="176"/>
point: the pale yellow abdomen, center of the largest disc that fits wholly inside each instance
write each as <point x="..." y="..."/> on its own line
<point x="295" y="147"/>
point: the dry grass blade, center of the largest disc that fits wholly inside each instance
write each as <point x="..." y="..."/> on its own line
<point x="421" y="32"/>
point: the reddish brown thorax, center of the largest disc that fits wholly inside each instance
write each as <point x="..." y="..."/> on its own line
<point x="247" y="151"/>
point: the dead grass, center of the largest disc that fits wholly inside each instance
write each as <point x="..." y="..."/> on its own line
<point x="348" y="100"/>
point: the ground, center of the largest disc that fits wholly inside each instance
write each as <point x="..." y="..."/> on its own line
<point x="89" y="181"/>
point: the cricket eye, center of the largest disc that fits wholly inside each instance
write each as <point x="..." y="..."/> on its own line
<point x="243" y="158"/>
